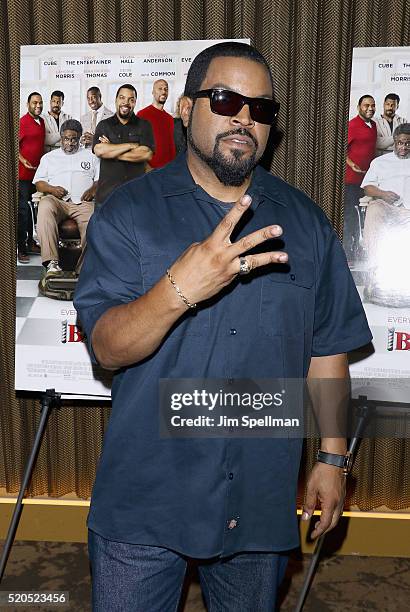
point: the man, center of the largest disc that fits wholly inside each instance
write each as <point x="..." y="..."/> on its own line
<point x="160" y="296"/>
<point x="54" y="119"/>
<point x="179" y="129"/>
<point x="387" y="222"/>
<point x="123" y="142"/>
<point x="162" y="124"/>
<point x="387" y="123"/>
<point x="361" y="145"/>
<point x="68" y="176"/>
<point x="31" y="147"/>
<point x="92" y="118"/>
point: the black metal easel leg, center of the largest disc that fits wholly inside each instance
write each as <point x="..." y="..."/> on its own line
<point x="47" y="401"/>
<point x="363" y="416"/>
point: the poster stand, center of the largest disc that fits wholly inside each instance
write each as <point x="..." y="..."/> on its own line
<point x="48" y="400"/>
<point x="365" y="409"/>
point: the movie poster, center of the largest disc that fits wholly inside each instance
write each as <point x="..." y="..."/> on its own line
<point x="376" y="234"/>
<point x="50" y="348"/>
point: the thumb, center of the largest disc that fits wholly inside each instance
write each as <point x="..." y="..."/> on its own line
<point x="309" y="505"/>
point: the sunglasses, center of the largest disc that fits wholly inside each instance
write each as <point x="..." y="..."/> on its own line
<point x="229" y="103"/>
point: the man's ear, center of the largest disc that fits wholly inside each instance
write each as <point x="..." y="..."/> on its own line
<point x="185" y="108"/>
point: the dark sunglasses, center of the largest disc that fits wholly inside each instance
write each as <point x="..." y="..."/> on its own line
<point x="229" y="103"/>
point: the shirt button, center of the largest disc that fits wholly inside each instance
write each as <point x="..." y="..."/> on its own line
<point x="292" y="277"/>
<point x="232" y="331"/>
<point x="230" y="476"/>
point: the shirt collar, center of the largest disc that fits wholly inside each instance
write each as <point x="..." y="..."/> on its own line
<point x="177" y="180"/>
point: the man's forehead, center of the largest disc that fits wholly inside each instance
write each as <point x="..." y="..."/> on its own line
<point x="124" y="91"/>
<point x="238" y="73"/>
<point x="367" y="100"/>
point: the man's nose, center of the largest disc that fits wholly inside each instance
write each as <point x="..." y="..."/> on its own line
<point x="243" y="116"/>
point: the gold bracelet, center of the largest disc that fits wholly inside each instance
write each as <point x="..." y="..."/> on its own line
<point x="178" y="290"/>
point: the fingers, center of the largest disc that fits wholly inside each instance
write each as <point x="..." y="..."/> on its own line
<point x="252" y="240"/>
<point x="310" y="502"/>
<point x="262" y="259"/>
<point x="323" y="524"/>
<point x="329" y="518"/>
<point x="225" y="228"/>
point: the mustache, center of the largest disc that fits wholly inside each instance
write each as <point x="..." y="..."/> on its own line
<point x="240" y="132"/>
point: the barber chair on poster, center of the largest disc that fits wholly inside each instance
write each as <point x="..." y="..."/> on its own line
<point x="69" y="250"/>
<point x="386" y="275"/>
<point x="361" y="214"/>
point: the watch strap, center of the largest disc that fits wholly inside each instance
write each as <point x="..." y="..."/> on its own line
<point x="342" y="461"/>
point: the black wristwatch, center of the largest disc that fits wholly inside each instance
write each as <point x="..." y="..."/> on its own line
<point x="345" y="462"/>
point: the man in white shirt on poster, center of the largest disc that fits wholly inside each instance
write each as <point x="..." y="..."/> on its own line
<point x="68" y="176"/>
<point x="388" y="214"/>
<point x="92" y="118"/>
<point x="387" y="123"/>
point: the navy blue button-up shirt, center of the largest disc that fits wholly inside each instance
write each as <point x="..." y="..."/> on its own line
<point x="208" y="497"/>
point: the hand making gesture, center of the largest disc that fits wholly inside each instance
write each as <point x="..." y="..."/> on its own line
<point x="207" y="267"/>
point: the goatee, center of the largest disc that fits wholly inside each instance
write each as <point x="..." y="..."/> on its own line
<point x="230" y="171"/>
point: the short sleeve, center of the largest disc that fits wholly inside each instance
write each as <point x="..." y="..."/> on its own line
<point x="340" y="323"/>
<point x="350" y="133"/>
<point x="96" y="166"/>
<point x="22" y="129"/>
<point x="111" y="272"/>
<point x="371" y="177"/>
<point x="42" y="170"/>
<point x="99" y="131"/>
<point x="148" y="135"/>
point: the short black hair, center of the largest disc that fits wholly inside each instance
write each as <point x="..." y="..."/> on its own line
<point x="392" y="96"/>
<point x="72" y="124"/>
<point x="33" y="93"/>
<point x="363" y="97"/>
<point x="126" y="86"/>
<point x="403" y="128"/>
<point x="95" y="90"/>
<point x="58" y="94"/>
<point x="199" y="67"/>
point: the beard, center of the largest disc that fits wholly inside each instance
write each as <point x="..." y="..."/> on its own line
<point x="71" y="151"/>
<point x="230" y="171"/>
<point x="125" y="114"/>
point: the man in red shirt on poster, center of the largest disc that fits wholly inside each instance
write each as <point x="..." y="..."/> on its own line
<point x="361" y="150"/>
<point x="31" y="148"/>
<point x="162" y="125"/>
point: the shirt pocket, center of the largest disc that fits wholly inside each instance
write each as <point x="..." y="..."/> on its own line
<point x="286" y="297"/>
<point x="195" y="321"/>
<point x="134" y="136"/>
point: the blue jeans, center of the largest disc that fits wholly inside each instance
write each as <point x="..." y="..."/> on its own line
<point x="134" y="578"/>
